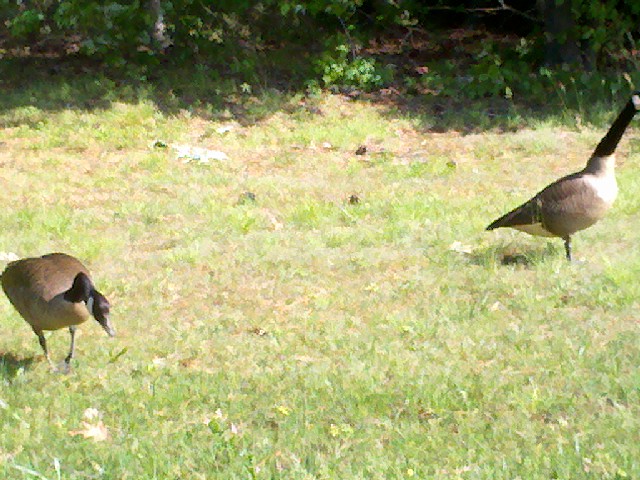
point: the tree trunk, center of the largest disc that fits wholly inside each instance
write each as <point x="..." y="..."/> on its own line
<point x="159" y="31"/>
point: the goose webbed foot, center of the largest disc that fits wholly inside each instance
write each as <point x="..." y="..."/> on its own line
<point x="64" y="367"/>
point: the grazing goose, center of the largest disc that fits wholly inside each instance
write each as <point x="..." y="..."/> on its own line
<point x="579" y="200"/>
<point x="54" y="291"/>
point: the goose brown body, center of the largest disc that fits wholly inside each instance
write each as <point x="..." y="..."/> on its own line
<point x="36" y="287"/>
<point x="52" y="292"/>
<point x="579" y="200"/>
<point x="568" y="205"/>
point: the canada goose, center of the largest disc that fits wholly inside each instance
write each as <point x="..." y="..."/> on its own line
<point x="579" y="200"/>
<point x="52" y="292"/>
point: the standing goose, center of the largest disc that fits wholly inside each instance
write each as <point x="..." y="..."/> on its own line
<point x="579" y="200"/>
<point x="54" y="291"/>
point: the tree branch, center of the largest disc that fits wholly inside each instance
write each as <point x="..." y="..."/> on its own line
<point x="492" y="10"/>
<point x="351" y="44"/>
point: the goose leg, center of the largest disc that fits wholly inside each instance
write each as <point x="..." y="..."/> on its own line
<point x="567" y="246"/>
<point x="72" y="331"/>
<point x="43" y="344"/>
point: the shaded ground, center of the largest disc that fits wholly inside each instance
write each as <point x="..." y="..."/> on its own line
<point x="215" y="92"/>
<point x="11" y="365"/>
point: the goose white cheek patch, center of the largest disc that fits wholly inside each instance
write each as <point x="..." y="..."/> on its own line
<point x="90" y="305"/>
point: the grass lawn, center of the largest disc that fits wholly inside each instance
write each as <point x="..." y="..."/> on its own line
<point x="299" y="334"/>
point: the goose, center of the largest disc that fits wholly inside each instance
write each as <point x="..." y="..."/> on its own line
<point x="579" y="200"/>
<point x="52" y="292"/>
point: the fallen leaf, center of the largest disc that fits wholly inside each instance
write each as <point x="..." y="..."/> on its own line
<point x="261" y="332"/>
<point x="496" y="306"/>
<point x="8" y="256"/>
<point x="277" y="224"/>
<point x="460" y="247"/>
<point x="159" y="361"/>
<point x="224" y="129"/>
<point x="91" y="413"/>
<point x="97" y="432"/>
<point x="198" y="154"/>
<point x="246" y="197"/>
<point x="159" y="144"/>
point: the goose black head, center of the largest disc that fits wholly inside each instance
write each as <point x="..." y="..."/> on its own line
<point x="83" y="290"/>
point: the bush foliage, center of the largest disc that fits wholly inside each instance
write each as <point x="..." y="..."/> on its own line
<point x="327" y="43"/>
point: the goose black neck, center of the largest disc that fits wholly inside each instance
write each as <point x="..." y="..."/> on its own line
<point x="81" y="289"/>
<point x="610" y="141"/>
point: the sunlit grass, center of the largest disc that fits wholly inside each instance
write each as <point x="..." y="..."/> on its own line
<point x="294" y="333"/>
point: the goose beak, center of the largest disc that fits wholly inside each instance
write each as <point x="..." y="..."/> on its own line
<point x="106" y="325"/>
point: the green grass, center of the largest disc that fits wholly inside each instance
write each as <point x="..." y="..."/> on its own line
<point x="302" y="336"/>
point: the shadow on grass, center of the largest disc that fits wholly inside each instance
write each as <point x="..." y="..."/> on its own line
<point x="10" y="365"/>
<point x="510" y="256"/>
<point x="213" y="92"/>
<point x="54" y="84"/>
